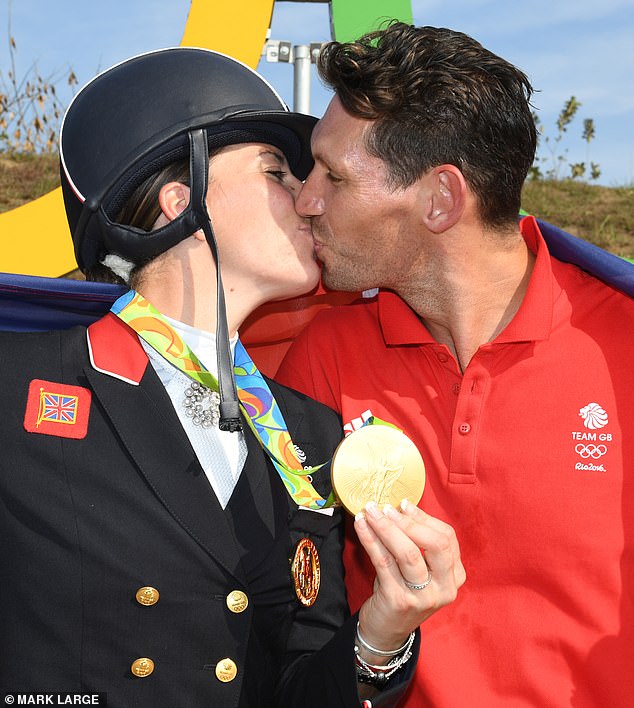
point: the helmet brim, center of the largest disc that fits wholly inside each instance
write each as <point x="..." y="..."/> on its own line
<point x="293" y="140"/>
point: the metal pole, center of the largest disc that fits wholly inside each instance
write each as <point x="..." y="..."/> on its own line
<point x="301" y="78"/>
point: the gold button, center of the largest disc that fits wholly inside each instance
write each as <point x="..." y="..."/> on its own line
<point x="142" y="667"/>
<point x="226" y="670"/>
<point x="237" y="601"/>
<point x="147" y="596"/>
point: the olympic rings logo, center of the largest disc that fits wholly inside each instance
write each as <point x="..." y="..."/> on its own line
<point x="593" y="451"/>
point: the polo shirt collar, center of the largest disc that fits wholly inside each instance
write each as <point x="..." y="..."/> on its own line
<point x="533" y="321"/>
<point x="400" y="325"/>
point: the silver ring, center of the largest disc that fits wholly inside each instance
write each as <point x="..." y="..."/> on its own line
<point x="415" y="586"/>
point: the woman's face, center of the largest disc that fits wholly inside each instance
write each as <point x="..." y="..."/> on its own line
<point x="262" y="242"/>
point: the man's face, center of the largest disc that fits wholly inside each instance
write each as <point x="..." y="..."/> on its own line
<point x="364" y="231"/>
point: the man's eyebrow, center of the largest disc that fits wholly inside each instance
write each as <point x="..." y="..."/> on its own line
<point x="326" y="163"/>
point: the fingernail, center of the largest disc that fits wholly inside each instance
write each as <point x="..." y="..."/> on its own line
<point x="390" y="511"/>
<point x="408" y="508"/>
<point x="360" y="522"/>
<point x="373" y="510"/>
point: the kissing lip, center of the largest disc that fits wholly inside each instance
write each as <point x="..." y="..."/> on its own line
<point x="317" y="245"/>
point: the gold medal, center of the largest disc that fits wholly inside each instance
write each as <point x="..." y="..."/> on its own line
<point x="377" y="463"/>
<point x="306" y="573"/>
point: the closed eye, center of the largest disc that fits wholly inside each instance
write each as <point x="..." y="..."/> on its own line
<point x="278" y="174"/>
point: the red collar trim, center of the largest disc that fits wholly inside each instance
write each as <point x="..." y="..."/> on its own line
<point x="533" y="321"/>
<point x="115" y="350"/>
<point x="399" y="323"/>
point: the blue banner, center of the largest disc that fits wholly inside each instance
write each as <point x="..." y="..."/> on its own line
<point x="31" y="303"/>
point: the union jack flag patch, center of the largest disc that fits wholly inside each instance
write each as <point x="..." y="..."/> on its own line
<point x="57" y="409"/>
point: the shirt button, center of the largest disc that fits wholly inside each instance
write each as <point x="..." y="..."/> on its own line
<point x="442" y="357"/>
<point x="464" y="428"/>
<point x="226" y="670"/>
<point x="455" y="388"/>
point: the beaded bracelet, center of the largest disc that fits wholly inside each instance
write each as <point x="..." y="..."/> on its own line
<point x="379" y="675"/>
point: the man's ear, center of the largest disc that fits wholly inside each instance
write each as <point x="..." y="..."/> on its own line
<point x="447" y="197"/>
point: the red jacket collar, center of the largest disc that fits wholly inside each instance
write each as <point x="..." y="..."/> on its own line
<point x="115" y="350"/>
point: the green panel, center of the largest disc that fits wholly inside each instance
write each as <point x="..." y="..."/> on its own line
<point x="349" y="19"/>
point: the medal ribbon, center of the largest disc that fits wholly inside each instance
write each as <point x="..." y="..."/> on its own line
<point x="256" y="400"/>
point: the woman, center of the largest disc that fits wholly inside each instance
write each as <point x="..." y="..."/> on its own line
<point x="165" y="545"/>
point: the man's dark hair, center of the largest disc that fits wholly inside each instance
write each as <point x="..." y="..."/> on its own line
<point x="439" y="97"/>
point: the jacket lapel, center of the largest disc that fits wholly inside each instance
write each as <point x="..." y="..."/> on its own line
<point x="141" y="412"/>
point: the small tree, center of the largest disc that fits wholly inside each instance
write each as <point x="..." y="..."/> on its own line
<point x="557" y="158"/>
<point x="30" y="110"/>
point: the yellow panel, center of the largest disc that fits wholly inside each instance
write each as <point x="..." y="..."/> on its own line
<point x="34" y="238"/>
<point x="236" y="28"/>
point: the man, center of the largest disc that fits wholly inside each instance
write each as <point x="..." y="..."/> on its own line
<point x="511" y="371"/>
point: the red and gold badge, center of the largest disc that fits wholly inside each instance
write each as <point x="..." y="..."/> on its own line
<point x="57" y="409"/>
<point x="306" y="573"/>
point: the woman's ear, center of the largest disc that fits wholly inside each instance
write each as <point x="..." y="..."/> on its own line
<point x="173" y="199"/>
<point x="446" y="204"/>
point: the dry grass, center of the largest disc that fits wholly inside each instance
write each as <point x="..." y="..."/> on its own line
<point x="602" y="215"/>
<point x="25" y="177"/>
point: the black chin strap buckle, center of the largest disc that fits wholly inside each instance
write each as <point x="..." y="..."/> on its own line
<point x="230" y="416"/>
<point x="232" y="425"/>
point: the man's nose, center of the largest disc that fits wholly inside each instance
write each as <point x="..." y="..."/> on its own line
<point x="308" y="202"/>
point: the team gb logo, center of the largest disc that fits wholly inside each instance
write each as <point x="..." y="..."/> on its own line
<point x="593" y="416"/>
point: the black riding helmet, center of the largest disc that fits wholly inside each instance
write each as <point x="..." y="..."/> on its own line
<point x="145" y="113"/>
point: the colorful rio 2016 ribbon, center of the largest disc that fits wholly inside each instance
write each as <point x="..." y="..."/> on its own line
<point x="258" y="403"/>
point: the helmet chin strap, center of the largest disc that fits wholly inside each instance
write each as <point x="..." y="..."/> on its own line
<point x="134" y="243"/>
<point x="199" y="170"/>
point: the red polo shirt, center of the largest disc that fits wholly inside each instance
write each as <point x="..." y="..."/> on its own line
<point x="530" y="457"/>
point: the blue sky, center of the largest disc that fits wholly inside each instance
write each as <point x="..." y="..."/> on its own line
<point x="567" y="47"/>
